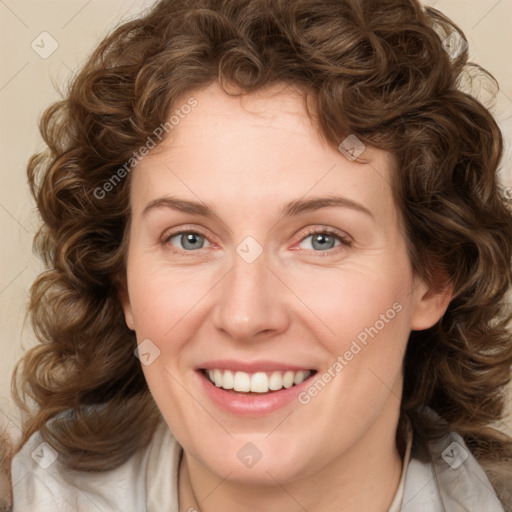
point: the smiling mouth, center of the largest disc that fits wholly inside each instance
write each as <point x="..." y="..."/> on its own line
<point x="258" y="382"/>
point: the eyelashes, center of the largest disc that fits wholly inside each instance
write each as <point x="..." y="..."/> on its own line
<point x="188" y="236"/>
<point x="341" y="237"/>
<point x="183" y="233"/>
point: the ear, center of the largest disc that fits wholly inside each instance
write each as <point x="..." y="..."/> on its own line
<point x="429" y="302"/>
<point x="124" y="299"/>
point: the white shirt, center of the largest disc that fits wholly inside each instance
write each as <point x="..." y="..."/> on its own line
<point x="444" y="478"/>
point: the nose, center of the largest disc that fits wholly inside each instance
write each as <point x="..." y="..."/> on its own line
<point x="252" y="301"/>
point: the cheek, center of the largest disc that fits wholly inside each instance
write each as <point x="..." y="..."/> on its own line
<point x="354" y="303"/>
<point x="164" y="299"/>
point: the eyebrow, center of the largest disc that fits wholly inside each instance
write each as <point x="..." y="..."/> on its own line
<point x="293" y="208"/>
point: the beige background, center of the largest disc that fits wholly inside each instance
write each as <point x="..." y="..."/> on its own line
<point x="27" y="85"/>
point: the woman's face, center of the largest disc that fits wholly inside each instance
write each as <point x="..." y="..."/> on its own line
<point x="253" y="298"/>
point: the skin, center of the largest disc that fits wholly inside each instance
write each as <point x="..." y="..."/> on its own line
<point x="248" y="157"/>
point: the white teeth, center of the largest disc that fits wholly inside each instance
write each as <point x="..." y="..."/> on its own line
<point x="288" y="379"/>
<point x="259" y="382"/>
<point x="242" y="382"/>
<point x="275" y="382"/>
<point x="299" y="377"/>
<point x="228" y="380"/>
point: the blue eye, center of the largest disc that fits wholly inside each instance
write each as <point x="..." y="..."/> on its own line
<point x="324" y="240"/>
<point x="189" y="240"/>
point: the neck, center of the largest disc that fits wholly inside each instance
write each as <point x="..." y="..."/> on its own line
<point x="364" y="478"/>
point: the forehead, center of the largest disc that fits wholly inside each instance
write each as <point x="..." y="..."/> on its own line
<point x="259" y="149"/>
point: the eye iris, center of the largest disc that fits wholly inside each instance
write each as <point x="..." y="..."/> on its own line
<point x="323" y="240"/>
<point x="188" y="240"/>
<point x="192" y="241"/>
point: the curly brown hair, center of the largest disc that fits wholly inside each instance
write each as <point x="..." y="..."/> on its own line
<point x="378" y="69"/>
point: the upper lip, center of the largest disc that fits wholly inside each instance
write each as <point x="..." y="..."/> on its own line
<point x="251" y="366"/>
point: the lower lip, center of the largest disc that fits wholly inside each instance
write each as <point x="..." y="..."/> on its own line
<point x="251" y="404"/>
